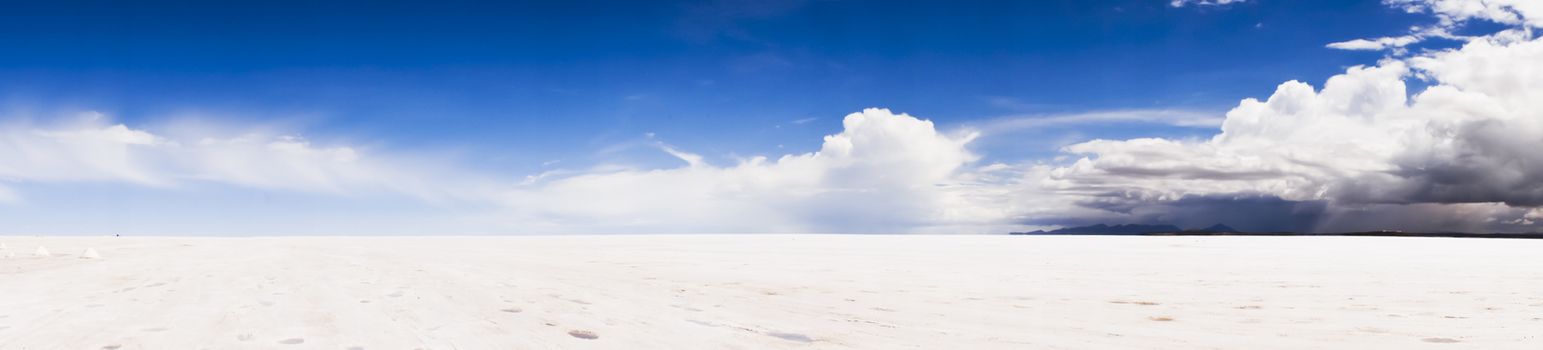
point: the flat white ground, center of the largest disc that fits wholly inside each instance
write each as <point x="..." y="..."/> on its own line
<point x="773" y="292"/>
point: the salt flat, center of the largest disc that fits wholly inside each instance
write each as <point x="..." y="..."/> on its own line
<point x="772" y="292"/>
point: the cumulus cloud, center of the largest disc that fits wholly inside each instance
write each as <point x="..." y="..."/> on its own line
<point x="1364" y="144"/>
<point x="1450" y="14"/>
<point x="1515" y="12"/>
<point x="1361" y="152"/>
<point x="884" y="172"/>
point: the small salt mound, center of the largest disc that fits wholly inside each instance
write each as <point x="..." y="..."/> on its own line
<point x="90" y="254"/>
<point x="42" y="252"/>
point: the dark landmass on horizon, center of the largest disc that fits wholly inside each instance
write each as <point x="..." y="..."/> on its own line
<point x="1224" y="230"/>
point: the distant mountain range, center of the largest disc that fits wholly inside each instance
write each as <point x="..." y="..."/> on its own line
<point x="1130" y="229"/>
<point x="1219" y="228"/>
<point x="1224" y="230"/>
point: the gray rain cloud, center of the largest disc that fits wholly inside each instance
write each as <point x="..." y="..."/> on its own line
<point x="1364" y="150"/>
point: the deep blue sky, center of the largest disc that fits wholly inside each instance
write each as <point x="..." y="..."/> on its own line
<point x="510" y="86"/>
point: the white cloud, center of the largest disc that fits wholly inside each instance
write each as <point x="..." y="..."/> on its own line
<point x="1362" y="143"/>
<point x="1451" y="14"/>
<point x="1175" y="117"/>
<point x="1359" y="153"/>
<point x="1328" y="134"/>
<point x="1377" y="44"/>
<point x="1517" y="12"/>
<point x="1531" y="217"/>
<point x="1182" y="3"/>
<point x="883" y="172"/>
<point x="1398" y="44"/>
<point x="8" y="196"/>
<point x="93" y="150"/>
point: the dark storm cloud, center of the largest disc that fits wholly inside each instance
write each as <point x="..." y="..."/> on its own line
<point x="1248" y="212"/>
<point x="1489" y="161"/>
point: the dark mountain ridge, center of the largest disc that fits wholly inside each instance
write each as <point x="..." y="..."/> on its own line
<point x="1224" y="230"/>
<point x="1102" y="229"/>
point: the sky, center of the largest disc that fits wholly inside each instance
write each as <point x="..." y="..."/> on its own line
<point x="276" y="117"/>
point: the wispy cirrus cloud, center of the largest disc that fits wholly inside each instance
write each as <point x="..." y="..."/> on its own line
<point x="1450" y="16"/>
<point x="93" y="149"/>
<point x="1393" y="42"/>
<point x="1173" y="117"/>
<point x="884" y="172"/>
<point x="1359" y="151"/>
<point x="1183" y="3"/>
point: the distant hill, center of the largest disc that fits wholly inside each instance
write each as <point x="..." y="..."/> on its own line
<point x="1131" y="229"/>
<point x="1224" y="230"/>
<point x="1218" y="228"/>
<point x="1102" y="229"/>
